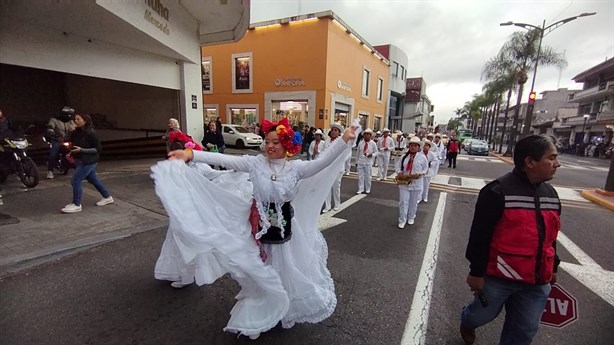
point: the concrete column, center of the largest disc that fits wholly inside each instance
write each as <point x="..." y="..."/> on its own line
<point x="191" y="100"/>
<point x="572" y="136"/>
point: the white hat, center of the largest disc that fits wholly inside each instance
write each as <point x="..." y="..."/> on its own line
<point x="399" y="131"/>
<point x="378" y="132"/>
<point x="318" y="131"/>
<point x="338" y="126"/>
<point x="445" y="136"/>
<point x="437" y="135"/>
<point x="414" y="140"/>
<point x="368" y="130"/>
<point x="385" y="130"/>
<point x="430" y="143"/>
<point x="429" y="135"/>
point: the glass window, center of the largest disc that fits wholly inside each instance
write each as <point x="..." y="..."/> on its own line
<point x="395" y="69"/>
<point x="210" y="114"/>
<point x="377" y="123"/>
<point x="244" y="117"/>
<point x="365" y="82"/>
<point x="364" y="120"/>
<point x="402" y="74"/>
<point x="380" y="91"/>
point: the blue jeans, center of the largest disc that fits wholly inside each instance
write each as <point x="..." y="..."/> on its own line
<point x="524" y="305"/>
<point x="87" y="172"/>
<point x="54" y="152"/>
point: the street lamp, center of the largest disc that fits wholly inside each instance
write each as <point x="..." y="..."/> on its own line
<point x="586" y="116"/>
<point x="542" y="32"/>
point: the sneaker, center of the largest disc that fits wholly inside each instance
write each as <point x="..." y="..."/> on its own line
<point x="325" y="210"/>
<point x="347" y="173"/>
<point x="335" y="208"/>
<point x="178" y="285"/>
<point x="254" y="336"/>
<point x="379" y="178"/>
<point x="50" y="174"/>
<point x="467" y="334"/>
<point x="105" y="201"/>
<point x="359" y="192"/>
<point x="368" y="192"/>
<point x="71" y="208"/>
<point x="419" y="201"/>
<point x="401" y="225"/>
<point x="425" y="200"/>
<point x="410" y="222"/>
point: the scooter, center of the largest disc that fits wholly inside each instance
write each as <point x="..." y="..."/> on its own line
<point x="64" y="161"/>
<point x="14" y="160"/>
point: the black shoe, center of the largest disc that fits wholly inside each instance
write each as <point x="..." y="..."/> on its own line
<point x="449" y="166"/>
<point x="454" y="167"/>
<point x="467" y="334"/>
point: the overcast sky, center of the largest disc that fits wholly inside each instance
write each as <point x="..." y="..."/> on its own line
<point x="448" y="42"/>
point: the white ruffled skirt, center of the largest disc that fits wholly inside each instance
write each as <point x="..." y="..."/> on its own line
<point x="209" y="235"/>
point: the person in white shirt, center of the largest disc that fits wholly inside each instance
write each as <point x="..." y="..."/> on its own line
<point x="335" y="192"/>
<point x="365" y="151"/>
<point x="413" y="162"/>
<point x="400" y="143"/>
<point x="317" y="145"/>
<point x="433" y="163"/>
<point x="384" y="145"/>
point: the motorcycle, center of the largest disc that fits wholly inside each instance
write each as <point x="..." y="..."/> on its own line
<point x="14" y="160"/>
<point x="64" y="161"/>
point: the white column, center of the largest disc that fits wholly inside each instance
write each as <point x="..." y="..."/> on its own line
<point x="191" y="93"/>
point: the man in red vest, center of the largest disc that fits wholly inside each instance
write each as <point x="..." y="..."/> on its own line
<point x="453" y="151"/>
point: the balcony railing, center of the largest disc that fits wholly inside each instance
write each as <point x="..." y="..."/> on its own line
<point x="593" y="93"/>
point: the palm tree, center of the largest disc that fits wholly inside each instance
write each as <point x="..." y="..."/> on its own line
<point x="496" y="87"/>
<point x="516" y="57"/>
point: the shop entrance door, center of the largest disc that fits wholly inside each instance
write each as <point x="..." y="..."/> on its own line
<point x="297" y="111"/>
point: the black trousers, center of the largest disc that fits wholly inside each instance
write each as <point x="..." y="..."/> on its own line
<point x="452" y="159"/>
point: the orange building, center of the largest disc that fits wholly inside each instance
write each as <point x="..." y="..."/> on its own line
<point x="313" y="69"/>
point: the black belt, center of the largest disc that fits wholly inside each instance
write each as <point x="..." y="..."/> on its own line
<point x="274" y="233"/>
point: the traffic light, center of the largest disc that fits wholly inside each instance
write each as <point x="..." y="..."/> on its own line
<point x="532" y="97"/>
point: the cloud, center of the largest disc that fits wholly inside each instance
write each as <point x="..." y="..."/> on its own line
<point x="448" y="42"/>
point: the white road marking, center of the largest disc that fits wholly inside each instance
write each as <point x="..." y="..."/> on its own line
<point x="473" y="183"/>
<point x="327" y="220"/>
<point x="588" y="272"/>
<point x="416" y="326"/>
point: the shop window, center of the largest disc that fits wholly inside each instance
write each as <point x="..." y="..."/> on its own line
<point x="207" y="75"/>
<point x="246" y="117"/>
<point x="242" y="73"/>
<point x="380" y="87"/>
<point x="365" y="81"/>
<point x="364" y="121"/>
<point x="341" y="117"/>
<point x="297" y="112"/>
<point x="209" y="114"/>
<point x="377" y="123"/>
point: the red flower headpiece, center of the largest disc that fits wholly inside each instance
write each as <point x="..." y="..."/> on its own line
<point x="285" y="133"/>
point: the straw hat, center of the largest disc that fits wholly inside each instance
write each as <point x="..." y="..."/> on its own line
<point x="318" y="132"/>
<point x="338" y="126"/>
<point x="385" y="130"/>
<point x="368" y="130"/>
<point x="437" y="135"/>
<point x="415" y="140"/>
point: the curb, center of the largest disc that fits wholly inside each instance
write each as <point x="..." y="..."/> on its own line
<point x="501" y="157"/>
<point x="593" y="196"/>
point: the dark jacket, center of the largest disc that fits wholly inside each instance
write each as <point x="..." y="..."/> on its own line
<point x="215" y="138"/>
<point x="514" y="230"/>
<point x="89" y="143"/>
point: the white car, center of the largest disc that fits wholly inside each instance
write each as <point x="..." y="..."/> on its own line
<point x="240" y="136"/>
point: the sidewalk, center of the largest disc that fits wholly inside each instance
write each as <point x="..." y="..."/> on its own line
<point x="33" y="230"/>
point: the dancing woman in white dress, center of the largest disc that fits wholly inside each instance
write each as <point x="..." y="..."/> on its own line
<point x="269" y="243"/>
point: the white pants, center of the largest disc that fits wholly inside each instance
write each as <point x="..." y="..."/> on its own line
<point x="383" y="159"/>
<point x="348" y="163"/>
<point x="335" y="193"/>
<point x="364" y="177"/>
<point x="426" y="182"/>
<point x="408" y="202"/>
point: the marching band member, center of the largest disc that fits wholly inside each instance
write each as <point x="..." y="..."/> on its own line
<point x="439" y="151"/>
<point x="433" y="163"/>
<point x="410" y="169"/>
<point x="335" y="192"/>
<point x="384" y="145"/>
<point x="365" y="151"/>
<point x="317" y="145"/>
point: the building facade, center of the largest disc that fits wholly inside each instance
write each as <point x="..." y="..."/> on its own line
<point x="133" y="63"/>
<point x="418" y="108"/>
<point x="396" y="93"/>
<point x="313" y="69"/>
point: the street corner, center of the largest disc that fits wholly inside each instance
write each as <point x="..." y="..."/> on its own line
<point x="507" y="160"/>
<point x="600" y="197"/>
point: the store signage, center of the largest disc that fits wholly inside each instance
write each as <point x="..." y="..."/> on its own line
<point x="160" y="9"/>
<point x="289" y="82"/>
<point x="343" y="86"/>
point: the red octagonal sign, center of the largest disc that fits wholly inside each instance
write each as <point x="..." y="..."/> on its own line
<point x="561" y="308"/>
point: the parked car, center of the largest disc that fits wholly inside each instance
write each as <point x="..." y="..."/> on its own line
<point x="465" y="144"/>
<point x="478" y="147"/>
<point x="240" y="136"/>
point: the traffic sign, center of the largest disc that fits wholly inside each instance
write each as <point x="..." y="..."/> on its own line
<point x="561" y="308"/>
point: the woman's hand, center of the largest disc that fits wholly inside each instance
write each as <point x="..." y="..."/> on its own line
<point x="349" y="134"/>
<point x="181" y="154"/>
<point x="75" y="149"/>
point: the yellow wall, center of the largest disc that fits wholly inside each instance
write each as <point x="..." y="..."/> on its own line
<point x="316" y="51"/>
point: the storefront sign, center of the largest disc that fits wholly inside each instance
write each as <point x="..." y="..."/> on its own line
<point x="289" y="82"/>
<point x="343" y="86"/>
<point x="160" y="9"/>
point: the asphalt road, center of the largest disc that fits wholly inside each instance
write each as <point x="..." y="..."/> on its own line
<point x="107" y="295"/>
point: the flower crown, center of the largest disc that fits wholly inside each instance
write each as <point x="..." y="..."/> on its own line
<point x="285" y="133"/>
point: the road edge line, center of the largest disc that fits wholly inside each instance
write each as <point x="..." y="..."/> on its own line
<point x="416" y="326"/>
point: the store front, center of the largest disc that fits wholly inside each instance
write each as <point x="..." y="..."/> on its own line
<point x="245" y="115"/>
<point x="343" y="113"/>
<point x="295" y="105"/>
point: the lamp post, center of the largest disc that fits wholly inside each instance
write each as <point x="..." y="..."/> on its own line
<point x="542" y="32"/>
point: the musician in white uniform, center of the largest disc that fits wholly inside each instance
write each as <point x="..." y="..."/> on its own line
<point x="365" y="151"/>
<point x="335" y="192"/>
<point x="384" y="145"/>
<point x="413" y="162"/>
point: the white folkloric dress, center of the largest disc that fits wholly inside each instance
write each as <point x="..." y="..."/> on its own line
<point x="209" y="233"/>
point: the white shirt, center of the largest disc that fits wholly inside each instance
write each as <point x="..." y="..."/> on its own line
<point x="322" y="145"/>
<point x="389" y="144"/>
<point x="363" y="155"/>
